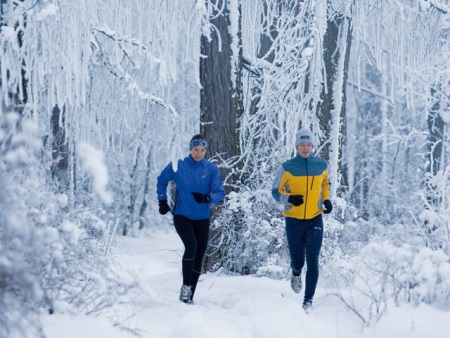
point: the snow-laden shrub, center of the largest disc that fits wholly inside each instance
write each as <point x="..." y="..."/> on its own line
<point x="383" y="272"/>
<point x="247" y="237"/>
<point x="23" y="234"/>
<point x="434" y="215"/>
<point x="49" y="258"/>
<point x="431" y="277"/>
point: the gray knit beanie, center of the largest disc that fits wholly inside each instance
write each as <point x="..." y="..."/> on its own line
<point x="303" y="136"/>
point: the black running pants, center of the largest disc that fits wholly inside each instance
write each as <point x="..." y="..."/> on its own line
<point x="194" y="235"/>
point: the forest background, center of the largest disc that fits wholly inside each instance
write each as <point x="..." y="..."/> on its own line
<point x="98" y="96"/>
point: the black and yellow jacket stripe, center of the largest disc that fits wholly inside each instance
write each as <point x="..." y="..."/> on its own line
<point x="302" y="176"/>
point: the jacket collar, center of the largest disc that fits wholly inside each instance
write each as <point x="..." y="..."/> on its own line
<point x="190" y="160"/>
<point x="307" y="158"/>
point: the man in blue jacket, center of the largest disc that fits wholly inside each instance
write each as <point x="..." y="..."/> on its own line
<point x="198" y="185"/>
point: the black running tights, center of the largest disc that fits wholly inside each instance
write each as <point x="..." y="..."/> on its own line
<point x="194" y="235"/>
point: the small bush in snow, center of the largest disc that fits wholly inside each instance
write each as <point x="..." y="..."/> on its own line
<point x="247" y="238"/>
<point x="383" y="272"/>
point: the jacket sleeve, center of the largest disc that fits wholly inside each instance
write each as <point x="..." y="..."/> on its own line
<point x="217" y="192"/>
<point x="325" y="186"/>
<point x="163" y="181"/>
<point x="280" y="198"/>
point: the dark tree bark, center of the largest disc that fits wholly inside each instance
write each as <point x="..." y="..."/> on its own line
<point x="436" y="135"/>
<point x="18" y="96"/>
<point x="134" y="190"/>
<point x="60" y="150"/>
<point x="221" y="102"/>
<point x="436" y="127"/>
<point x="144" y="204"/>
<point x="266" y="42"/>
<point x="331" y="58"/>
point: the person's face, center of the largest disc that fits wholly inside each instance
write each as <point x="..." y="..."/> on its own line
<point x="304" y="149"/>
<point x="198" y="153"/>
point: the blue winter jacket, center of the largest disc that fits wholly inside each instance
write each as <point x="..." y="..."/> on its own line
<point x="202" y="176"/>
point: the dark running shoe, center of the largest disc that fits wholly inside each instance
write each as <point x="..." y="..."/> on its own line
<point x="296" y="283"/>
<point x="307" y="306"/>
<point x="185" y="294"/>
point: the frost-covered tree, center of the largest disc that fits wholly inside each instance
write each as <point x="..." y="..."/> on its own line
<point x="100" y="72"/>
<point x="393" y="92"/>
<point x="92" y="94"/>
<point x="331" y="110"/>
<point x="97" y="98"/>
<point x="396" y="123"/>
<point x="294" y="77"/>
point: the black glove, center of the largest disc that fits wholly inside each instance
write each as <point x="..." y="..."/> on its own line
<point x="328" y="206"/>
<point x="163" y="207"/>
<point x="201" y="198"/>
<point x="296" y="200"/>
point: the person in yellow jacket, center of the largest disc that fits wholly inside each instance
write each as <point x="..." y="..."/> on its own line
<point x="302" y="186"/>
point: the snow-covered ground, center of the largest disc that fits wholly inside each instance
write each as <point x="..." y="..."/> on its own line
<point x="228" y="306"/>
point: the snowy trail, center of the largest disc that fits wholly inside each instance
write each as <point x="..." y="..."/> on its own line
<point x="225" y="306"/>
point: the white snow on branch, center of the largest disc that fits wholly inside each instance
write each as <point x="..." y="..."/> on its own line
<point x="438" y="5"/>
<point x="92" y="160"/>
<point x="126" y="39"/>
<point x="445" y="116"/>
<point x="50" y="10"/>
<point x="307" y="52"/>
<point x="7" y="32"/>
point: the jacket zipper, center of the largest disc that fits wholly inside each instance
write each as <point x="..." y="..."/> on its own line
<point x="307" y="183"/>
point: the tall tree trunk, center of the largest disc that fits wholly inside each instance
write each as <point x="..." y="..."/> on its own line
<point x="331" y="112"/>
<point x="144" y="204"/>
<point x="60" y="150"/>
<point x="17" y="97"/>
<point x="221" y="102"/>
<point x="134" y="190"/>
<point x="436" y="135"/>
<point x="436" y="126"/>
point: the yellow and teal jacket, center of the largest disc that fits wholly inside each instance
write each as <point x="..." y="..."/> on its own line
<point x="302" y="176"/>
